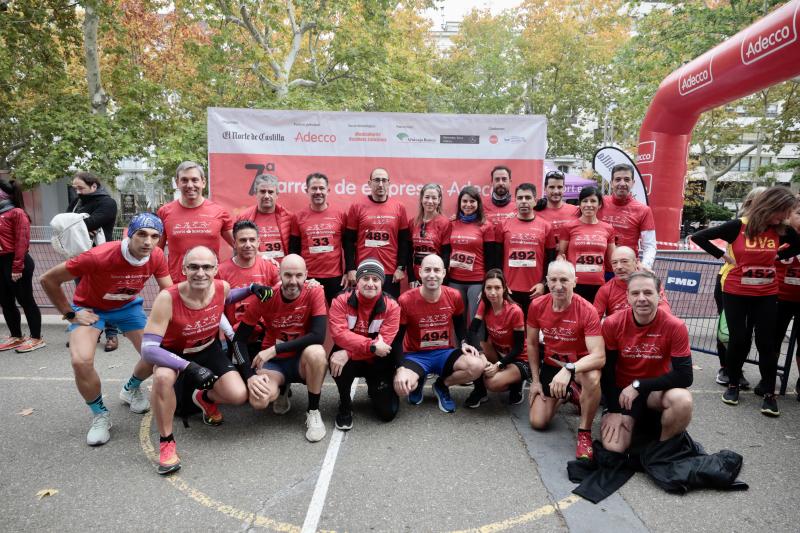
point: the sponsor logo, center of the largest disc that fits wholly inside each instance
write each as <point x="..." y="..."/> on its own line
<point x="646" y="152"/>
<point x="406" y="138"/>
<point x="697" y="78"/>
<point x="252" y="136"/>
<point x="367" y="136"/>
<point x="460" y="139"/>
<point x="309" y="137"/>
<point x="493" y="139"/>
<point x="514" y="139"/>
<point x="772" y="39"/>
<point x="682" y="281"/>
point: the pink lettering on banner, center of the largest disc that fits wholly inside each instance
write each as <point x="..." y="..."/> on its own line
<point x="646" y="152"/>
<point x="309" y="137"/>
<point x="696" y="78"/>
<point x="759" y="45"/>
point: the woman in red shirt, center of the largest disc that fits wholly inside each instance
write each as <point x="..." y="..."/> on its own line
<point x="750" y="287"/>
<point x="587" y="243"/>
<point x="788" y="272"/>
<point x="430" y="230"/>
<point x="16" y="271"/>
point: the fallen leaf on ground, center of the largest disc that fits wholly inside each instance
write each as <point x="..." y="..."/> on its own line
<point x="113" y="366"/>
<point x="42" y="367"/>
<point x="26" y="412"/>
<point x="46" y="492"/>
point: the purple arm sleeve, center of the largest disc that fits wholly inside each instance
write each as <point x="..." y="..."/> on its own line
<point x="153" y="353"/>
<point x="234" y="295"/>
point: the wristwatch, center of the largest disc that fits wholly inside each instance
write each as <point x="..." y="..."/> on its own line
<point x="636" y="384"/>
<point x="69" y="315"/>
<point x="372" y="348"/>
<point x="571" y="368"/>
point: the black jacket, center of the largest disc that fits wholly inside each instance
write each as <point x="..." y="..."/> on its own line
<point x="102" y="210"/>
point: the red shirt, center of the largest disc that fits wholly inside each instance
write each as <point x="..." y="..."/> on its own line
<point x="351" y="328"/>
<point x="496" y="214"/>
<point x="565" y="331"/>
<point x="187" y="227"/>
<point x="108" y="281"/>
<point x="320" y="235"/>
<point x="629" y="218"/>
<point x="788" y="272"/>
<point x="429" y="325"/>
<point x="437" y="234"/>
<point x="191" y="330"/>
<point x="500" y="327"/>
<point x="613" y="297"/>
<point x="467" y="263"/>
<point x="645" y="351"/>
<point x="377" y="226"/>
<point x="524" y="244"/>
<point x="262" y="271"/>
<point x="273" y="230"/>
<point x="286" y="320"/>
<point x="588" y="249"/>
<point x="754" y="272"/>
<point x="559" y="217"/>
<point x="15" y="237"/>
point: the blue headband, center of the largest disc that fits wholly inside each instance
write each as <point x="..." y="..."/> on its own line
<point x="145" y="220"/>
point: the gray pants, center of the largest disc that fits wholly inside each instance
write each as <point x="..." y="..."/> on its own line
<point x="471" y="296"/>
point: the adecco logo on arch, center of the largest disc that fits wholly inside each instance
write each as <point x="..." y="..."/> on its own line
<point x="696" y="78"/>
<point x="759" y="45"/>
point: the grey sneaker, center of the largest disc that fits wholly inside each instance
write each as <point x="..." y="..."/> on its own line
<point x="316" y="428"/>
<point x="136" y="398"/>
<point x="100" y="432"/>
<point x="282" y="404"/>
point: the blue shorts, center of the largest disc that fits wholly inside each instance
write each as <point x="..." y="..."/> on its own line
<point x="439" y="362"/>
<point x="288" y="366"/>
<point x="129" y="317"/>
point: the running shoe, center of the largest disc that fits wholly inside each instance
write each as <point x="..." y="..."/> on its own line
<point x="476" y="398"/>
<point x="211" y="415"/>
<point x="168" y="460"/>
<point x="30" y="344"/>
<point x="722" y="377"/>
<point x="415" y="397"/>
<point x="344" y="421"/>
<point x="136" y="399"/>
<point x="731" y="395"/>
<point x="100" y="431"/>
<point x="9" y="343"/>
<point x="315" y="431"/>
<point x="769" y="407"/>
<point x="282" y="404"/>
<point x="446" y="403"/>
<point x="583" y="448"/>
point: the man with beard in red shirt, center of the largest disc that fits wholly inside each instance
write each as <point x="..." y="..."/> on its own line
<point x="648" y="367"/>
<point x="500" y="204"/>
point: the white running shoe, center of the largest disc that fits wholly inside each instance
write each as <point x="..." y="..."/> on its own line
<point x="316" y="428"/>
<point x="100" y="432"/>
<point x="282" y="404"/>
<point x="136" y="398"/>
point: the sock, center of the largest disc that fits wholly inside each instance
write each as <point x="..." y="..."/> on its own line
<point x="97" y="406"/>
<point x="133" y="383"/>
<point x="584" y="430"/>
<point x="313" y="401"/>
<point x="168" y="438"/>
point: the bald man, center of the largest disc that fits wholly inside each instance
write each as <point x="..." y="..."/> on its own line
<point x="613" y="296"/>
<point x="428" y="316"/>
<point x="295" y="325"/>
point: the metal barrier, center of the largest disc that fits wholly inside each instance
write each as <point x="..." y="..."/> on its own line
<point x="689" y="286"/>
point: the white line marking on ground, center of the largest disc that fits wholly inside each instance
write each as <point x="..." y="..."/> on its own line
<point x="323" y="481"/>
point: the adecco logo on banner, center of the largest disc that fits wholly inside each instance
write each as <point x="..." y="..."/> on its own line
<point x="309" y="137"/>
<point x="646" y="152"/>
<point x="772" y="39"/>
<point x="697" y="78"/>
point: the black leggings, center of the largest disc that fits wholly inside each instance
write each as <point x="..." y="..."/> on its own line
<point x="587" y="292"/>
<point x="22" y="291"/>
<point x="379" y="375"/>
<point x="746" y="314"/>
<point x="786" y="311"/>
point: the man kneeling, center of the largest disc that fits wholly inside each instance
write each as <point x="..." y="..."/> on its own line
<point x="648" y="366"/>
<point x="573" y="351"/>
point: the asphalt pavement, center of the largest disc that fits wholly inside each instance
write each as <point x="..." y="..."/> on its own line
<point x="474" y="470"/>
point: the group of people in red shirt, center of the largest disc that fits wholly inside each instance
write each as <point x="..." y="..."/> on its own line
<point x="494" y="299"/>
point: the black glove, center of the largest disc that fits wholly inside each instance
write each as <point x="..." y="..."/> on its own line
<point x="262" y="292"/>
<point x="199" y="377"/>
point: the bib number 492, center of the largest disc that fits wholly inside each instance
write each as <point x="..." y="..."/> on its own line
<point x="522" y="258"/>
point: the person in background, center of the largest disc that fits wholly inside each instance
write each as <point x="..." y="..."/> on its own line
<point x="430" y="231"/>
<point x="788" y="271"/>
<point x="552" y="207"/>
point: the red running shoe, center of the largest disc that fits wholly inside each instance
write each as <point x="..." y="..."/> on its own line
<point x="211" y="415"/>
<point x="9" y="343"/>
<point x="168" y="460"/>
<point x="583" y="450"/>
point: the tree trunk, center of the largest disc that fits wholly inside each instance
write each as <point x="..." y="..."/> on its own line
<point x="97" y="96"/>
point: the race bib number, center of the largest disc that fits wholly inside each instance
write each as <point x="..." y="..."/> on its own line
<point x="199" y="346"/>
<point x="589" y="263"/>
<point x="462" y="260"/>
<point x="320" y="245"/>
<point x="758" y="275"/>
<point x="121" y="295"/>
<point x="434" y="338"/>
<point x="272" y="250"/>
<point x="522" y="258"/>
<point x="792" y="276"/>
<point x="376" y="239"/>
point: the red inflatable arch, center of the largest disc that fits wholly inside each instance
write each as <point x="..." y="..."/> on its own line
<point x="764" y="54"/>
